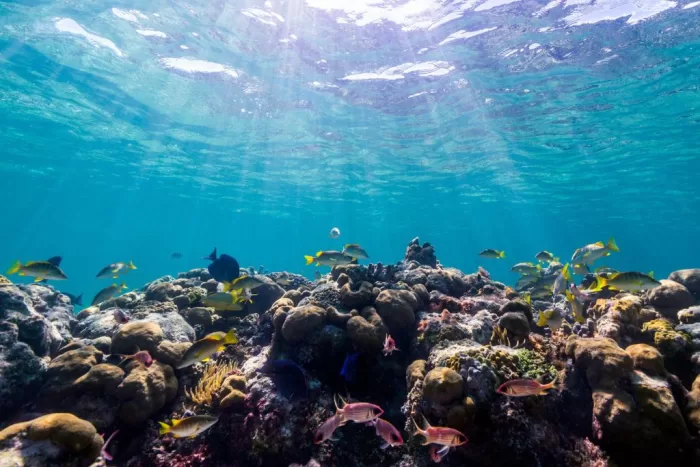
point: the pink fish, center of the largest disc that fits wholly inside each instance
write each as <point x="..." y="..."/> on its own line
<point x="436" y="454"/>
<point x="387" y="431"/>
<point x="104" y="452"/>
<point x="325" y="431"/>
<point x="523" y="388"/>
<point x="389" y="345"/>
<point x="441" y="435"/>
<point x="359" y="412"/>
<point x="142" y="356"/>
<point x="119" y="316"/>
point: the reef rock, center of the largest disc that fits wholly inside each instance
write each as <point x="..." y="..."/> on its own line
<point x="98" y="324"/>
<point x="302" y="322"/>
<point x="442" y="385"/>
<point x="424" y="254"/>
<point x="162" y="291"/>
<point x="265" y="295"/>
<point x="367" y="332"/>
<point x="54" y="439"/>
<point x="690" y="278"/>
<point x="356" y="298"/>
<point x="647" y="359"/>
<point x="174" y="327"/>
<point x="135" y="336"/>
<point x="144" y="391"/>
<point x="689" y="315"/>
<point x="516" y="323"/>
<point x="670" y="295"/>
<point x="693" y="404"/>
<point x="397" y="310"/>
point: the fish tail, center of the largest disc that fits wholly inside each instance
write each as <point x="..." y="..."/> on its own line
<point x="612" y="246"/>
<point x="16" y="266"/>
<point x="600" y="282"/>
<point x="309" y="259"/>
<point x="567" y="272"/>
<point x="163" y="428"/>
<point x="419" y="430"/>
<point x="502" y="254"/>
<point x="131" y="265"/>
<point x="231" y="337"/>
<point x="228" y="286"/>
<point x="542" y="321"/>
<point x="123" y="286"/>
<point x="651" y="274"/>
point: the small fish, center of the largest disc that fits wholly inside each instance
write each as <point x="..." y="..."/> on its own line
<point x="328" y="258"/>
<point x="388" y="432"/>
<point x="443" y="436"/>
<point x="523" y="388"/>
<point x="107" y="293"/>
<point x="225" y="268"/>
<point x="551" y="318"/>
<point x="541" y="292"/>
<point x="581" y="296"/>
<point x="606" y="270"/>
<point x="527" y="269"/>
<point x="358" y="412"/>
<point x="211" y="256"/>
<point x="545" y="256"/>
<point x="484" y="273"/>
<point x="326" y="430"/>
<point x="187" y="427"/>
<point x="74" y="299"/>
<point x="115" y="270"/>
<point x="142" y="356"/>
<point x="576" y="307"/>
<point x="39" y="270"/>
<point x="104" y="452"/>
<point x="590" y="253"/>
<point x="249" y="282"/>
<point x="437" y="454"/>
<point x="176" y="255"/>
<point x="204" y="348"/>
<point x="581" y="269"/>
<point x="349" y="370"/>
<point x="524" y="281"/>
<point x="489" y="253"/>
<point x="317" y="275"/>
<point x="335" y="232"/>
<point x="283" y="279"/>
<point x="629" y="281"/>
<point x="562" y="281"/>
<point x="389" y="345"/>
<point x="224" y="301"/>
<point x="120" y="316"/>
<point x="355" y="251"/>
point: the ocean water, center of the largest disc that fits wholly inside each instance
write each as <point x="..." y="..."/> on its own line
<point x="131" y="130"/>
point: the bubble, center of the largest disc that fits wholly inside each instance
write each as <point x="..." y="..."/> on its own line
<point x="335" y="232"/>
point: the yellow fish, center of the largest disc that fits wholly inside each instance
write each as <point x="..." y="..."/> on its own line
<point x="187" y="427"/>
<point x="204" y="348"/>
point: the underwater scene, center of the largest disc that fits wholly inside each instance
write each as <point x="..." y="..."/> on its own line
<point x="306" y="233"/>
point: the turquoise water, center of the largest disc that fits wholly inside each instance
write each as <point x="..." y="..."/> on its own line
<point x="133" y="130"/>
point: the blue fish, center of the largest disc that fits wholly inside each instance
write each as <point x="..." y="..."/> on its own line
<point x="288" y="377"/>
<point x="349" y="370"/>
<point x="225" y="268"/>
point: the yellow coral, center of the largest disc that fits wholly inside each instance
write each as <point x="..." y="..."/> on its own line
<point x="211" y="380"/>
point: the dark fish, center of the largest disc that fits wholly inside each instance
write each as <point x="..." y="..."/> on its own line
<point x="225" y="268"/>
<point x="288" y="377"/>
<point x="176" y="255"/>
<point x="74" y="299"/>
<point x="349" y="370"/>
<point x="212" y="256"/>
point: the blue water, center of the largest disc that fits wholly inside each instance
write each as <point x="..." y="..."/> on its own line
<point x="131" y="130"/>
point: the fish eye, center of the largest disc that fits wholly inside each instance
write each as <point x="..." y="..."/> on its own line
<point x="394" y="438"/>
<point x="319" y="438"/>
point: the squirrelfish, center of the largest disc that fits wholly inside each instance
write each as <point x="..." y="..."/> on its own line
<point x="103" y="451"/>
<point x="142" y="356"/>
<point x="39" y="270"/>
<point x="630" y="281"/>
<point x="359" y="412"/>
<point x="590" y="253"/>
<point x="355" y="251"/>
<point x="551" y="318"/>
<point x="328" y="258"/>
<point x="441" y="435"/>
<point x="249" y="282"/>
<point x="224" y="301"/>
<point x="490" y="253"/>
<point x="389" y="345"/>
<point x="527" y="268"/>
<point x="326" y="430"/>
<point x="545" y="256"/>
<point x="576" y="307"/>
<point x="523" y="388"/>
<point x="436" y="454"/>
<point x="204" y="348"/>
<point x="187" y="427"/>
<point x="107" y="293"/>
<point x="388" y="432"/>
<point x="115" y="270"/>
<point x="562" y="280"/>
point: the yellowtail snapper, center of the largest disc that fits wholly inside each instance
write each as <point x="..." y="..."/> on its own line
<point x="107" y="293"/>
<point x="355" y="251"/>
<point x="590" y="253"/>
<point x="489" y="253"/>
<point x="187" y="427"/>
<point x="329" y="258"/>
<point x="527" y="268"/>
<point x="629" y="281"/>
<point x="39" y="270"/>
<point x="115" y="270"/>
<point x="545" y="256"/>
<point x="204" y="348"/>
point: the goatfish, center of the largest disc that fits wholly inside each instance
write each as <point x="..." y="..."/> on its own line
<point x="249" y="282"/>
<point x="443" y="436"/>
<point x="187" y="427"/>
<point x="551" y="318"/>
<point x="524" y="388"/>
<point x="224" y="301"/>
<point x="358" y="412"/>
<point x="590" y="253"/>
<point x="562" y="280"/>
<point x="39" y="270"/>
<point x="576" y="307"/>
<point x="326" y="430"/>
<point x="546" y="256"/>
<point x="527" y="268"/>
<point x="328" y="258"/>
<point x="354" y="251"/>
<point x="388" y="432"/>
<point x="495" y="254"/>
<point x="629" y="281"/>
<point x="115" y="270"/>
<point x="207" y="346"/>
<point x="107" y="293"/>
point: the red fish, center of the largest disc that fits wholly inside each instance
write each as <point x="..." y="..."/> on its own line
<point x="325" y="431"/>
<point x="104" y="452"/>
<point x="387" y="431"/>
<point x="436" y="454"/>
<point x="441" y="435"/>
<point x="389" y="345"/>
<point x="119" y="316"/>
<point x="142" y="356"/>
<point x="523" y="388"/>
<point x="359" y="412"/>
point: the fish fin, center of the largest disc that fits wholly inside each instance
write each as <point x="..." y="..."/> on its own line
<point x="612" y="246"/>
<point x="205" y="360"/>
<point x="212" y="255"/>
<point x="542" y="321"/>
<point x="123" y="286"/>
<point x="600" y="244"/>
<point x="502" y="254"/>
<point x="231" y="337"/>
<point x="38" y="279"/>
<point x="350" y="245"/>
<point x="16" y="266"/>
<point x="163" y="429"/>
<point x="566" y="272"/>
<point x="319" y="253"/>
<point x="384" y="445"/>
<point x="176" y="421"/>
<point x="443" y="451"/>
<point x="115" y="277"/>
<point x="131" y="265"/>
<point x="55" y="260"/>
<point x="569" y="296"/>
<point x="227" y="286"/>
<point x="309" y="259"/>
<point x="599" y="284"/>
<point x="555" y="259"/>
<point x="651" y="274"/>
